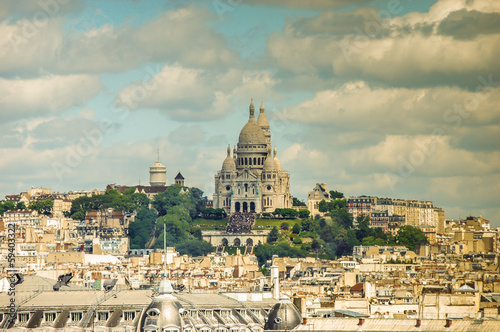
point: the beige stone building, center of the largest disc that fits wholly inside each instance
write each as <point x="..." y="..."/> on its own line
<point x="252" y="180"/>
<point x="318" y="194"/>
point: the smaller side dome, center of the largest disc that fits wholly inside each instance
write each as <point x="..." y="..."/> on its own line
<point x="276" y="160"/>
<point x="283" y="316"/>
<point x="228" y="165"/>
<point x="269" y="164"/>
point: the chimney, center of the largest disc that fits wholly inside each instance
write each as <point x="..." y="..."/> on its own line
<point x="304" y="321"/>
<point x="448" y="322"/>
<point x="275" y="281"/>
<point x="361" y="321"/>
<point x="419" y="323"/>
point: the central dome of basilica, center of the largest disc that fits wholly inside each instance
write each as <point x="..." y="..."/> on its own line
<point x="252" y="133"/>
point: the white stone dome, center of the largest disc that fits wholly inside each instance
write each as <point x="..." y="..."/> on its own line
<point x="157" y="164"/>
<point x="228" y="165"/>
<point x="269" y="164"/>
<point x="252" y="134"/>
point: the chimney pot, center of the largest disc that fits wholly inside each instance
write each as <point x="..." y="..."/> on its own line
<point x="361" y="321"/>
<point x="448" y="323"/>
<point x="304" y="321"/>
<point x="419" y="323"/>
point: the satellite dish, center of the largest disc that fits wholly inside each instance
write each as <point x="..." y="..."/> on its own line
<point x="62" y="280"/>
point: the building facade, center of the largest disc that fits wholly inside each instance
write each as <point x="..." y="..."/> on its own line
<point x="318" y="194"/>
<point x="252" y="179"/>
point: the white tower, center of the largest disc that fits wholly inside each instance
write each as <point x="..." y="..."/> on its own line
<point x="158" y="174"/>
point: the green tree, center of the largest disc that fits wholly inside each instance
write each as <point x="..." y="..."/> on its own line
<point x="342" y="217"/>
<point x="336" y="194"/>
<point x="42" y="207"/>
<point x="296" y="228"/>
<point x="309" y="225"/>
<point x="315" y="245"/>
<point x="273" y="235"/>
<point x="195" y="248"/>
<point x="198" y="234"/>
<point x="285" y="226"/>
<point x="7" y="206"/>
<point x="304" y="213"/>
<point x="142" y="229"/>
<point x="172" y="197"/>
<point x="298" y="202"/>
<point x="286" y="213"/>
<point x="264" y="252"/>
<point x="410" y="236"/>
<point x="323" y="206"/>
<point x="20" y="206"/>
<point x="363" y="229"/>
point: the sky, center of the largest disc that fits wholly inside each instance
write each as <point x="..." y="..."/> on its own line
<point x="392" y="98"/>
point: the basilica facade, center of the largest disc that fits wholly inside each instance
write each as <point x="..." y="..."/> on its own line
<point x="252" y="179"/>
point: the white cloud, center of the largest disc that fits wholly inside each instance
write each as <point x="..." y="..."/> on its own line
<point x="195" y="94"/>
<point x="403" y="50"/>
<point x="47" y="95"/>
<point x="181" y="35"/>
<point x="357" y="107"/>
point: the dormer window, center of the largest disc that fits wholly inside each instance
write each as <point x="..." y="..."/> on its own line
<point x="76" y="316"/>
<point x="23" y="317"/>
<point x="102" y="316"/>
<point x="49" y="316"/>
<point x="128" y="315"/>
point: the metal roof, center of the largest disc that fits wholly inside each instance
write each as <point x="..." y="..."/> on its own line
<point x="396" y="325"/>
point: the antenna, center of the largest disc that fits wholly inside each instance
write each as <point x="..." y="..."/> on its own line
<point x="158" y="153"/>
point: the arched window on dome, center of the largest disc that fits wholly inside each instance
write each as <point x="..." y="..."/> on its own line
<point x="250" y="161"/>
<point x="246" y="161"/>
<point x="258" y="161"/>
<point x="255" y="161"/>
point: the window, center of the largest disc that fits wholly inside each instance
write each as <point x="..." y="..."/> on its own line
<point x="23" y="317"/>
<point x="50" y="316"/>
<point x="103" y="315"/>
<point x="129" y="315"/>
<point x="76" y="316"/>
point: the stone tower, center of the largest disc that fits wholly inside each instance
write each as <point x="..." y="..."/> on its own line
<point x="158" y="174"/>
